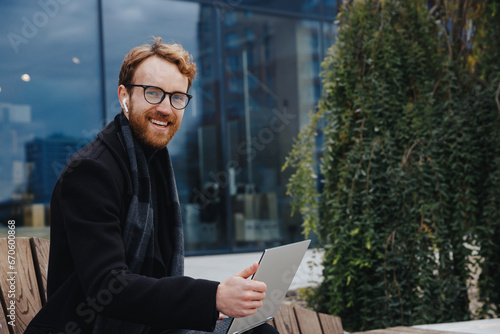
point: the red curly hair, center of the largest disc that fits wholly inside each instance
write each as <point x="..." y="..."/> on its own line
<point x="173" y="53"/>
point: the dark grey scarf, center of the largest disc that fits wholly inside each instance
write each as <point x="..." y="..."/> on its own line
<point x="138" y="233"/>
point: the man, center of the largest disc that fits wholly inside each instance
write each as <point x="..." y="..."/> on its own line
<point x="116" y="257"/>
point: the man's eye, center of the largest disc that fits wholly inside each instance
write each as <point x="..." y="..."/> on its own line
<point x="153" y="93"/>
<point x="178" y="97"/>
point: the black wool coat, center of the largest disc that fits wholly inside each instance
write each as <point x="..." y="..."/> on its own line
<point x="87" y="271"/>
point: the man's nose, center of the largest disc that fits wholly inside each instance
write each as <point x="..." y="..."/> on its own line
<point x="165" y="106"/>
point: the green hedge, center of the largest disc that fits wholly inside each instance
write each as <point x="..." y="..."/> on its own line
<point x="405" y="195"/>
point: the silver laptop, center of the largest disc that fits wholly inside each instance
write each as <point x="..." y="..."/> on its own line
<point x="277" y="268"/>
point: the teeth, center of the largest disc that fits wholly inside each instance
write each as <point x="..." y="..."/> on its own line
<point x="154" y="121"/>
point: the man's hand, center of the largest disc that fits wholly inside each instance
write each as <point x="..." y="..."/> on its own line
<point x="238" y="297"/>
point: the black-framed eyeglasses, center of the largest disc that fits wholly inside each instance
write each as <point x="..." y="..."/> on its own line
<point x="156" y="95"/>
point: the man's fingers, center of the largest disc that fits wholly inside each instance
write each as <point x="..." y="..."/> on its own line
<point x="259" y="286"/>
<point x="248" y="309"/>
<point x="253" y="295"/>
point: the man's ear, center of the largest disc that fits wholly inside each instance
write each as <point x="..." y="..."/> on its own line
<point x="123" y="97"/>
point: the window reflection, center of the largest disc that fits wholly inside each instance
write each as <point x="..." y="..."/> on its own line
<point x="271" y="81"/>
<point x="46" y="95"/>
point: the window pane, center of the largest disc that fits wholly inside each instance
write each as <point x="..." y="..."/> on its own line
<point x="269" y="91"/>
<point x="50" y="102"/>
<point x="330" y="34"/>
<point x="331" y="7"/>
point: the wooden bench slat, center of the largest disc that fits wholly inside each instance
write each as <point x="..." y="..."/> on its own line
<point x="309" y="320"/>
<point x="40" y="249"/>
<point x="3" y="321"/>
<point x="27" y="295"/>
<point x="331" y="324"/>
<point x="285" y="320"/>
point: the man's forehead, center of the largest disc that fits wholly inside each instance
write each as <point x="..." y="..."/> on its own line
<point x="157" y="70"/>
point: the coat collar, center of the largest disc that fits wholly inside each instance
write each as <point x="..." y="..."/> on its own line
<point x="109" y="137"/>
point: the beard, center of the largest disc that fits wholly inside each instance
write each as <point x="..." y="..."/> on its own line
<point x="141" y="128"/>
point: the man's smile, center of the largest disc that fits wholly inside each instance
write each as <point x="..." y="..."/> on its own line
<point x="159" y="122"/>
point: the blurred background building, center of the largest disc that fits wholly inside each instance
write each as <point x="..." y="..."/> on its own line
<point x="258" y="77"/>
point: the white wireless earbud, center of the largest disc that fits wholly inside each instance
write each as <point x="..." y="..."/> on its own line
<point x="124" y="101"/>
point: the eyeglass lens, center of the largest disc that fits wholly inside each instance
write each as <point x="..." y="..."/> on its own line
<point x="155" y="95"/>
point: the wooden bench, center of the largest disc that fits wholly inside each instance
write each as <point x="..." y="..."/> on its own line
<point x="23" y="281"/>
<point x="28" y="266"/>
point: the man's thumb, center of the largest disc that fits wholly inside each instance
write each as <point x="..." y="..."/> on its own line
<point x="249" y="271"/>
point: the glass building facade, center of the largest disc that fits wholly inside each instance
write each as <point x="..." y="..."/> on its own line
<point x="258" y="77"/>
